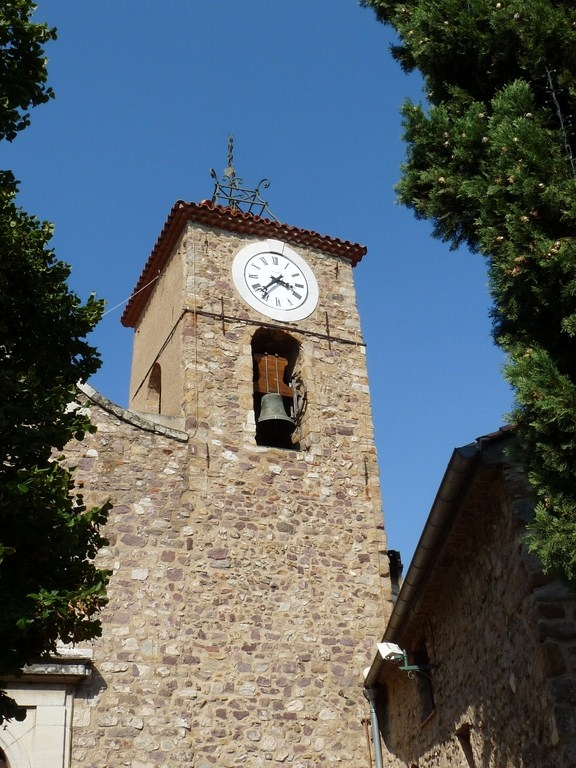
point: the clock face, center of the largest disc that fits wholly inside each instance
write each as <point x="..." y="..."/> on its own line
<point x="275" y="280"/>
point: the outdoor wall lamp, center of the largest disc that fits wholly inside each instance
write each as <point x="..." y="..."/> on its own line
<point x="392" y="652"/>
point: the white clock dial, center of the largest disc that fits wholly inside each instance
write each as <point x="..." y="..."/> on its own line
<point x="273" y="279"/>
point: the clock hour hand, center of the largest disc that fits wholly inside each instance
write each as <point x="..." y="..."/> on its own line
<point x="274" y="281"/>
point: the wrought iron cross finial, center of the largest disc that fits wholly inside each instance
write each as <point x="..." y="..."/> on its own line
<point x="231" y="193"/>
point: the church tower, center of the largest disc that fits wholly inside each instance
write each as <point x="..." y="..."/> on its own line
<point x="250" y="576"/>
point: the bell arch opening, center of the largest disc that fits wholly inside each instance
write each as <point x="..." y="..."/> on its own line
<point x="277" y="388"/>
<point x="154" y="390"/>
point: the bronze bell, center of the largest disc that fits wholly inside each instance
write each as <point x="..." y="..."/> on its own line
<point x="272" y="409"/>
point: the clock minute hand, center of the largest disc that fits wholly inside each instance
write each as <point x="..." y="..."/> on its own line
<point x="290" y="287"/>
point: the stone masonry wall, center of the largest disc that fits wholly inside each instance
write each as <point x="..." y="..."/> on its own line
<point x="152" y="334"/>
<point x="503" y="636"/>
<point x="249" y="583"/>
<point x="247" y="590"/>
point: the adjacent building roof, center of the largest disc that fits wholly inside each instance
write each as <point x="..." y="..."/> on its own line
<point x="463" y="464"/>
<point x="232" y="220"/>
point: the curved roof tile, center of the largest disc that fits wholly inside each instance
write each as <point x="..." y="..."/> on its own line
<point x="232" y="220"/>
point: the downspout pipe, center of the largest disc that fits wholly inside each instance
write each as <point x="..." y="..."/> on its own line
<point x="371" y="694"/>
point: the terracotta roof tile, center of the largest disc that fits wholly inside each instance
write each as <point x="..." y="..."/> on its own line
<point x="216" y="216"/>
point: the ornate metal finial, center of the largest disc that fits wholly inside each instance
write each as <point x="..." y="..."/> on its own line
<point x="231" y="192"/>
<point x="230" y="172"/>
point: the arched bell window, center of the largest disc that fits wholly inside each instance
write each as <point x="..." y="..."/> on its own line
<point x="154" y="391"/>
<point x="277" y="390"/>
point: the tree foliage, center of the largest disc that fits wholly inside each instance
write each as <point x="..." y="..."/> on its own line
<point x="50" y="589"/>
<point x="23" y="71"/>
<point x="490" y="163"/>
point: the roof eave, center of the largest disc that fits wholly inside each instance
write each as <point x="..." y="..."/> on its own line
<point x="462" y="466"/>
<point x="232" y="220"/>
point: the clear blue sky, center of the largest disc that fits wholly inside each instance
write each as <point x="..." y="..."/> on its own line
<point x="147" y="93"/>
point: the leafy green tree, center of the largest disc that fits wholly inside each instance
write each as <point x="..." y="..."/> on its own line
<point x="23" y="72"/>
<point x="50" y="589"/>
<point x="490" y="163"/>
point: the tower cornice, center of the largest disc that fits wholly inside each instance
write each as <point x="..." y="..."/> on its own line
<point x="231" y="220"/>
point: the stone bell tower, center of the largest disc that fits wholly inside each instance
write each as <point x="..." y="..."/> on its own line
<point x="246" y="540"/>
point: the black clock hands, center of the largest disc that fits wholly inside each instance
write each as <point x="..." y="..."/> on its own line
<point x="291" y="288"/>
<point x="274" y="282"/>
<point x="278" y="281"/>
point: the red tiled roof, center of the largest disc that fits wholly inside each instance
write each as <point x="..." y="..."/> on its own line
<point x="233" y="221"/>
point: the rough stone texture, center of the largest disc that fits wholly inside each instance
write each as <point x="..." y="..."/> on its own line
<point x="248" y="582"/>
<point x="503" y="636"/>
